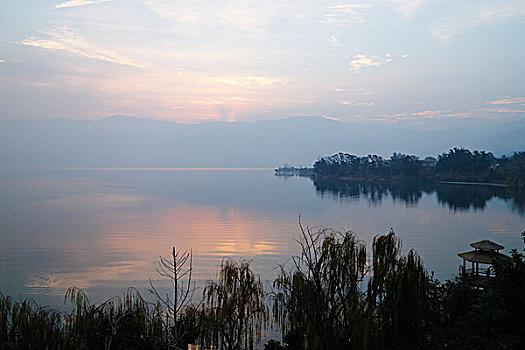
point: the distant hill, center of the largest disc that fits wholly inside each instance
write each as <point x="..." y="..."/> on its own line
<point x="122" y="141"/>
<point x="506" y="139"/>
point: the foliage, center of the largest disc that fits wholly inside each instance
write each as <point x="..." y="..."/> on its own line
<point x="332" y="296"/>
<point x="461" y="161"/>
<point x="511" y="169"/>
<point x="118" y="323"/>
<point x="273" y="344"/>
<point x="127" y="323"/>
<point x="404" y="165"/>
<point x="396" y="294"/>
<point x="458" y="164"/>
<point x="25" y="325"/>
<point x="322" y="295"/>
<point x="234" y="312"/>
<point x="347" y="165"/>
<point x="494" y="319"/>
<point x="344" y="164"/>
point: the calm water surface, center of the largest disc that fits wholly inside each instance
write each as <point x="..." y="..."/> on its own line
<point x="103" y="230"/>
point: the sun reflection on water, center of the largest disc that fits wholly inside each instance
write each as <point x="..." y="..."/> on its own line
<point x="104" y="230"/>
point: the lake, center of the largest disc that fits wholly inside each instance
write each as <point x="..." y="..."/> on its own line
<point x="103" y="229"/>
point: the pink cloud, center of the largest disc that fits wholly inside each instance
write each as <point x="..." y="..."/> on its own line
<point x="507" y="101"/>
<point x="429" y="113"/>
<point x="502" y="110"/>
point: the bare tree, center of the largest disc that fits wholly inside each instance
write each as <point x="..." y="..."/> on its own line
<point x="178" y="268"/>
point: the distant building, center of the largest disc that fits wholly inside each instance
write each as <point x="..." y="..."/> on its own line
<point x="428" y="162"/>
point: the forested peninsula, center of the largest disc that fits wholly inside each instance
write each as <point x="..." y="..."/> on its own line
<point x="457" y="165"/>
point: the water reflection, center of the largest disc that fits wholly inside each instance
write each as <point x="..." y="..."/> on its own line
<point x="104" y="230"/>
<point x="457" y="197"/>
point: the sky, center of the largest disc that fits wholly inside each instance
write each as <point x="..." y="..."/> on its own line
<point x="381" y="61"/>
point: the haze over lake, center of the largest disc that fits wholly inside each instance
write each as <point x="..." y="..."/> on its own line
<point x="231" y="130"/>
<point x="121" y="141"/>
<point x="103" y="230"/>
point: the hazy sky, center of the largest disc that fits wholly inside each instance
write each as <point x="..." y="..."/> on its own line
<point x="388" y="61"/>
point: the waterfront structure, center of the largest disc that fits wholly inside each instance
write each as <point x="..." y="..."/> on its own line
<point x="485" y="253"/>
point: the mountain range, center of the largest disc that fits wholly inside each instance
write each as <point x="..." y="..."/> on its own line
<point x="123" y="141"/>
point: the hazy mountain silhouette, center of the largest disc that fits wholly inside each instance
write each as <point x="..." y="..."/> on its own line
<point x="121" y="141"/>
<point x="506" y="138"/>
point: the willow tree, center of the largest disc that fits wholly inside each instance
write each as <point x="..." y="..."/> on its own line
<point x="320" y="296"/>
<point x="234" y="311"/>
<point x="25" y="325"/>
<point x="396" y="294"/>
<point x="122" y="323"/>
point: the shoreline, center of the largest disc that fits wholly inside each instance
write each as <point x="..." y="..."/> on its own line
<point x="494" y="184"/>
<point x="412" y="180"/>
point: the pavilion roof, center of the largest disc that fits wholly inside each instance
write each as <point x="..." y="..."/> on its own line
<point x="482" y="257"/>
<point x="486" y="245"/>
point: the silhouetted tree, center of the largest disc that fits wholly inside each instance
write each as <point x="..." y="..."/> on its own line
<point x="405" y="165"/>
<point x="396" y="294"/>
<point x="320" y="296"/>
<point x="461" y="161"/>
<point x="322" y="301"/>
<point x="178" y="268"/>
<point x="234" y="312"/>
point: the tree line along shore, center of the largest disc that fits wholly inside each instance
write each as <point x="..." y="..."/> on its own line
<point x="334" y="294"/>
<point x="457" y="165"/>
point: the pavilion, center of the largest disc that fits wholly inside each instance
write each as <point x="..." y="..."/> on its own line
<point x="485" y="252"/>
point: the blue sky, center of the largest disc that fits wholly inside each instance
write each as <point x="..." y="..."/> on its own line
<point x="393" y="62"/>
